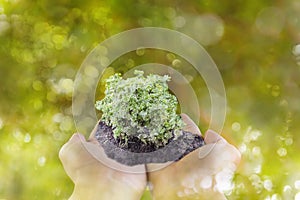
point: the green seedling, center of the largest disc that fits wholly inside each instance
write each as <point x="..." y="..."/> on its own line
<point x="141" y="107"/>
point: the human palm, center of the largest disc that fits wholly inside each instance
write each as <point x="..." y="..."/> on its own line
<point x="93" y="179"/>
<point x="203" y="174"/>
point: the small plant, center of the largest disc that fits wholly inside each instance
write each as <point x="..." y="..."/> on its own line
<point x="141" y="107"/>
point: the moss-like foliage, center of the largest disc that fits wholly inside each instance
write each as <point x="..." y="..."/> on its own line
<point x="141" y="107"/>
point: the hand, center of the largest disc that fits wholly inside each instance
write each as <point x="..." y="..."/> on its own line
<point x="94" y="180"/>
<point x="203" y="174"/>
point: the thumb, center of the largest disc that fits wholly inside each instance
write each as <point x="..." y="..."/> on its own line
<point x="92" y="137"/>
<point x="73" y="154"/>
<point x="190" y="126"/>
<point x="75" y="140"/>
<point x="213" y="137"/>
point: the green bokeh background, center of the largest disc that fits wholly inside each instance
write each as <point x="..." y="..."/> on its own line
<point x="254" y="44"/>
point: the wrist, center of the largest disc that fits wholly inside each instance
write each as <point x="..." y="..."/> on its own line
<point x="108" y="191"/>
<point x="116" y="187"/>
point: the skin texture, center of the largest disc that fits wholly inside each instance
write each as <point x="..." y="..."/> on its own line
<point x="203" y="174"/>
<point x="94" y="180"/>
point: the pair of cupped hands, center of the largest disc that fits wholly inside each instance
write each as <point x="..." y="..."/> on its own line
<point x="203" y="174"/>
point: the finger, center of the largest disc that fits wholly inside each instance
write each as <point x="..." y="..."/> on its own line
<point x="190" y="126"/>
<point x="97" y="152"/>
<point x="211" y="158"/>
<point x="220" y="155"/>
<point x="70" y="154"/>
<point x="213" y="142"/>
<point x="75" y="141"/>
<point x="92" y="137"/>
<point x="213" y="137"/>
<point x="76" y="138"/>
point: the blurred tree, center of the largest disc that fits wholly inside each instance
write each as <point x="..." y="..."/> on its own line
<point x="43" y="43"/>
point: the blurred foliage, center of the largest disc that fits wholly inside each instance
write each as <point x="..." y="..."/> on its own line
<point x="254" y="44"/>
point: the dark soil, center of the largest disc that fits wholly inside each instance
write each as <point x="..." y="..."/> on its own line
<point x="137" y="152"/>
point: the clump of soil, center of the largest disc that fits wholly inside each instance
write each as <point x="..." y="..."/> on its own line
<point x="137" y="152"/>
